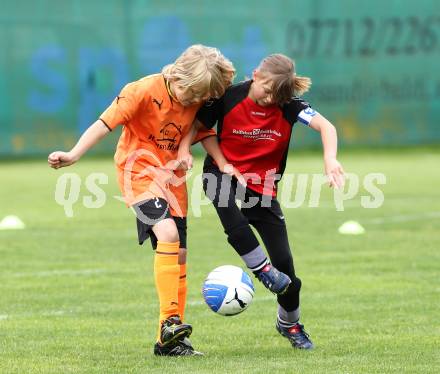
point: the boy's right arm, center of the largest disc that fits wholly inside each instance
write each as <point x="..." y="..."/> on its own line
<point x="91" y="136"/>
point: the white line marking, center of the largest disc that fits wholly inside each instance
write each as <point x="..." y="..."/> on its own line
<point x="51" y="273"/>
<point x="42" y="313"/>
<point x="403" y="218"/>
<point x="73" y="311"/>
<point x="54" y="313"/>
<point x="356" y="203"/>
<point x="256" y="299"/>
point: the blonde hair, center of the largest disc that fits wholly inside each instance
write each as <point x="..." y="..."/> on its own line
<point x="285" y="82"/>
<point x="203" y="69"/>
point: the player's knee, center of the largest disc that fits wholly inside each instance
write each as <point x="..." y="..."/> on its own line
<point x="241" y="236"/>
<point x="168" y="235"/>
<point x="166" y="231"/>
<point x="295" y="286"/>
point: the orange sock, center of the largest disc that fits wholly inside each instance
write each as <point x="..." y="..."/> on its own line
<point x="182" y="291"/>
<point x="166" y="276"/>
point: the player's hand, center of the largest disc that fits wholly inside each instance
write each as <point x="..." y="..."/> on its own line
<point x="233" y="172"/>
<point x="59" y="159"/>
<point x="334" y="172"/>
<point x="185" y="160"/>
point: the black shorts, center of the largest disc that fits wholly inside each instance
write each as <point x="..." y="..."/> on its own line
<point x="255" y="206"/>
<point x="152" y="211"/>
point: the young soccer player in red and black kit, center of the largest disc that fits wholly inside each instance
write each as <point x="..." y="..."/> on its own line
<point x="254" y="125"/>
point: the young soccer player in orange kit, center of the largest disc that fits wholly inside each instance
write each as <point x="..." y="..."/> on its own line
<point x="157" y="112"/>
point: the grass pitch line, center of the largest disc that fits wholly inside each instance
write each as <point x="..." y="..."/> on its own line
<point x="70" y="312"/>
<point x="47" y="313"/>
<point x="403" y="218"/>
<point x="256" y="299"/>
<point x="52" y="273"/>
<point x="353" y="203"/>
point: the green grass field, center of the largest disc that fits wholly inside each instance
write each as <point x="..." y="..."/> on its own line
<point x="77" y="294"/>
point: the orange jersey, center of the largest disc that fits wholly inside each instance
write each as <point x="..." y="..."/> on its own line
<point x="179" y="190"/>
<point x="154" y="125"/>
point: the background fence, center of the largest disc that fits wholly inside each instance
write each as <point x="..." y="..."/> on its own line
<point x="375" y="64"/>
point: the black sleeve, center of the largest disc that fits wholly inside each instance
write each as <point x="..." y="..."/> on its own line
<point x="293" y="108"/>
<point x="210" y="112"/>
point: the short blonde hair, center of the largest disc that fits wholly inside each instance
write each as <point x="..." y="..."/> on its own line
<point x="203" y="69"/>
<point x="285" y="82"/>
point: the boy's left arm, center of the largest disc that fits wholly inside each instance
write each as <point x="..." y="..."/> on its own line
<point x="333" y="168"/>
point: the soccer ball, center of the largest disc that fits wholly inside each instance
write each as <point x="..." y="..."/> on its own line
<point x="228" y="290"/>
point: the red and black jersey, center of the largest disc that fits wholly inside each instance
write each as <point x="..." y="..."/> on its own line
<point x="254" y="138"/>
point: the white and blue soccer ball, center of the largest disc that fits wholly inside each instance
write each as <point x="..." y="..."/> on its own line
<point x="228" y="290"/>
